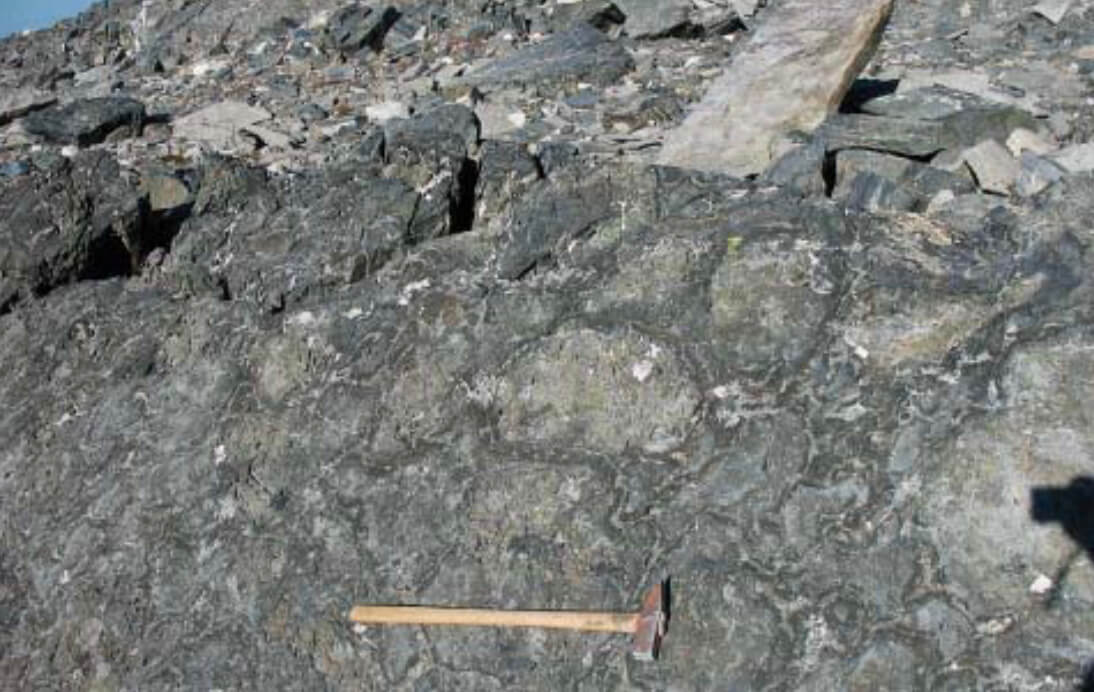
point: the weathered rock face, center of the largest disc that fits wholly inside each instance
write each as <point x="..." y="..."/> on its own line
<point x="366" y="314"/>
<point x="812" y="52"/>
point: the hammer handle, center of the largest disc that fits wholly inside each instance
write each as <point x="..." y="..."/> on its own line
<point x="557" y="619"/>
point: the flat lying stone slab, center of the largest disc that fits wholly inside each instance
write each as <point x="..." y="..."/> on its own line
<point x="16" y="103"/>
<point x="581" y="53"/>
<point x="218" y="124"/>
<point x="793" y="73"/>
<point x="1077" y="158"/>
<point x="995" y="169"/>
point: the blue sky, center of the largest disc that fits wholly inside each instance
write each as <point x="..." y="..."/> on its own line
<point x="16" y="15"/>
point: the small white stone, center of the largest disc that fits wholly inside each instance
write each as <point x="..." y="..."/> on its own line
<point x="1041" y="585"/>
<point x="642" y="370"/>
<point x="720" y="392"/>
<point x="382" y="112"/>
<point x="302" y="319"/>
<point x="410" y="289"/>
<point x="517" y="118"/>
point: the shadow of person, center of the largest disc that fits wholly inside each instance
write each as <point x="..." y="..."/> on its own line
<point x="1072" y="506"/>
<point x="1087" y="685"/>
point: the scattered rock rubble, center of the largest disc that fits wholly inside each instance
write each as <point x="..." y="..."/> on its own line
<point x="529" y="303"/>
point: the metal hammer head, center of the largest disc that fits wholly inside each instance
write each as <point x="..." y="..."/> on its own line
<point x="651" y="623"/>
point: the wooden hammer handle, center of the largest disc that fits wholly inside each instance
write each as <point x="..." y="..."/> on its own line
<point x="558" y="619"/>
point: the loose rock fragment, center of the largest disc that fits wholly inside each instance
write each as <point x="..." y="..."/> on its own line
<point x="995" y="169"/>
<point x="1036" y="174"/>
<point x="1052" y="10"/>
<point x="218" y="125"/>
<point x="793" y="73"/>
<point x="18" y="102"/>
<point x="1077" y="158"/>
<point x="87" y="121"/>
<point x="654" y="17"/>
<point x="581" y="53"/>
<point x="357" y="26"/>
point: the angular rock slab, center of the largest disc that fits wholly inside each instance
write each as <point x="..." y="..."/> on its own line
<point x="995" y="169"/>
<point x="87" y="121"/>
<point x="581" y="53"/>
<point x="218" y="124"/>
<point x="793" y="73"/>
<point x="17" y="103"/>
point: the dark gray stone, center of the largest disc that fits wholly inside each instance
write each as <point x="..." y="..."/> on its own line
<point x="926" y="103"/>
<point x="602" y="14"/>
<point x="88" y="121"/>
<point x="918" y="138"/>
<point x="356" y="26"/>
<point x="1036" y="173"/>
<point x="506" y="170"/>
<point x="872" y="180"/>
<point x="872" y="192"/>
<point x="579" y="54"/>
<point x="12" y="169"/>
<point x="79" y="221"/>
<point x="430" y="151"/>
<point x="801" y="168"/>
<point x="311" y="112"/>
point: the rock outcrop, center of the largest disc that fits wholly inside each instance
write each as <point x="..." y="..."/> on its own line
<point x="339" y="302"/>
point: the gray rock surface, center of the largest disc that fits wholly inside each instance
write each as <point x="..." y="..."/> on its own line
<point x="375" y="347"/>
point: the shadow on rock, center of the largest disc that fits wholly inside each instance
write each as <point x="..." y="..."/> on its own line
<point x="865" y="89"/>
<point x="1072" y="506"/>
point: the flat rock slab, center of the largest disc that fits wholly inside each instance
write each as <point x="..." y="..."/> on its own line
<point x="793" y="73"/>
<point x="1052" y="10"/>
<point x="916" y="138"/>
<point x="218" y="124"/>
<point x="579" y="54"/>
<point x="1036" y="174"/>
<point x="932" y="102"/>
<point x="87" y="121"/>
<point x="17" y="103"/>
<point x="1077" y="158"/>
<point x="995" y="169"/>
<point x="654" y="17"/>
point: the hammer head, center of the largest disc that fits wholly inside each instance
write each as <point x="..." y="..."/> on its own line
<point x="651" y="622"/>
